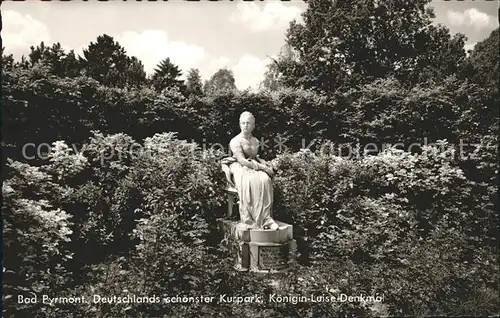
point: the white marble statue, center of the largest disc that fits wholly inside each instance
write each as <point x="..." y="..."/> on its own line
<point x="252" y="178"/>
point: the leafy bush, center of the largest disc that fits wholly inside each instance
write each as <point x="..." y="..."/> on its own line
<point x="406" y="221"/>
<point x="384" y="111"/>
<point x="36" y="232"/>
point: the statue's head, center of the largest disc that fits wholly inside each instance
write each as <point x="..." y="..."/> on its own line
<point x="247" y="122"/>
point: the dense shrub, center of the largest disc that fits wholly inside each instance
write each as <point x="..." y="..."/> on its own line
<point x="36" y="232"/>
<point x="387" y="112"/>
<point x="163" y="198"/>
<point x="380" y="112"/>
<point x="72" y="107"/>
<point x="406" y="221"/>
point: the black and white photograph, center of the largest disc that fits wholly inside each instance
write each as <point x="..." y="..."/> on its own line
<point x="237" y="158"/>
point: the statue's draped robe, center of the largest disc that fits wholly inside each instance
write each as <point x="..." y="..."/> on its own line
<point x="255" y="190"/>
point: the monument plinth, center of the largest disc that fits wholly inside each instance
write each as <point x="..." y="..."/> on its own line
<point x="259" y="250"/>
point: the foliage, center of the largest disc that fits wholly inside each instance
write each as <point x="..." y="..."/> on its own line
<point x="286" y="120"/>
<point x="7" y="60"/>
<point x="166" y="75"/>
<point x="273" y="78"/>
<point x="406" y="221"/>
<point x="36" y="232"/>
<point x="59" y="63"/>
<point x="194" y="85"/>
<point x="136" y="75"/>
<point x="222" y="81"/>
<point x="342" y="45"/>
<point x="367" y="226"/>
<point x="384" y="111"/>
<point x="484" y="59"/>
<point x="387" y="112"/>
<point x="78" y="106"/>
<point x="106" y="61"/>
<point x="106" y="198"/>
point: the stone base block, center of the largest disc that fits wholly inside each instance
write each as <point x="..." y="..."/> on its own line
<point x="271" y="257"/>
<point x="259" y="250"/>
<point x="232" y="228"/>
<point x="283" y="234"/>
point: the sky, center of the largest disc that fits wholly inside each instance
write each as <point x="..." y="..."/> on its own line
<point x="207" y="35"/>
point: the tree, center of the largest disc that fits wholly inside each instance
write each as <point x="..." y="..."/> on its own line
<point x="222" y="80"/>
<point x="72" y="65"/>
<point x="136" y="72"/>
<point x="194" y="85"/>
<point x="58" y="62"/>
<point x="65" y="64"/>
<point x="273" y="77"/>
<point x="37" y="53"/>
<point x="23" y="63"/>
<point x="7" y="60"/>
<point x="484" y="60"/>
<point x="53" y="59"/>
<point x="106" y="61"/>
<point x="166" y="75"/>
<point x="345" y="44"/>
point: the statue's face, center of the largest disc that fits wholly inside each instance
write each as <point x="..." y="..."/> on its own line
<point x="247" y="124"/>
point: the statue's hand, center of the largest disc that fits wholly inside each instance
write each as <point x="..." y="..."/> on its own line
<point x="269" y="172"/>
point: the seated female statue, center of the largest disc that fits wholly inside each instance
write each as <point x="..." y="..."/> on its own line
<point x="252" y="178"/>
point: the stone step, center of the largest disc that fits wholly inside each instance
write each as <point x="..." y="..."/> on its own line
<point x="233" y="228"/>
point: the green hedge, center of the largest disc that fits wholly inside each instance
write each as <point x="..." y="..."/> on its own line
<point x="413" y="226"/>
<point x="381" y="112"/>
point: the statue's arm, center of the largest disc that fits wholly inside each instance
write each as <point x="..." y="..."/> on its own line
<point x="263" y="162"/>
<point x="266" y="167"/>
<point x="263" y="165"/>
<point x="260" y="160"/>
<point x="237" y="151"/>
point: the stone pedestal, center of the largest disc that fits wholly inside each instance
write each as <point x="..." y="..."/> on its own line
<point x="260" y="250"/>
